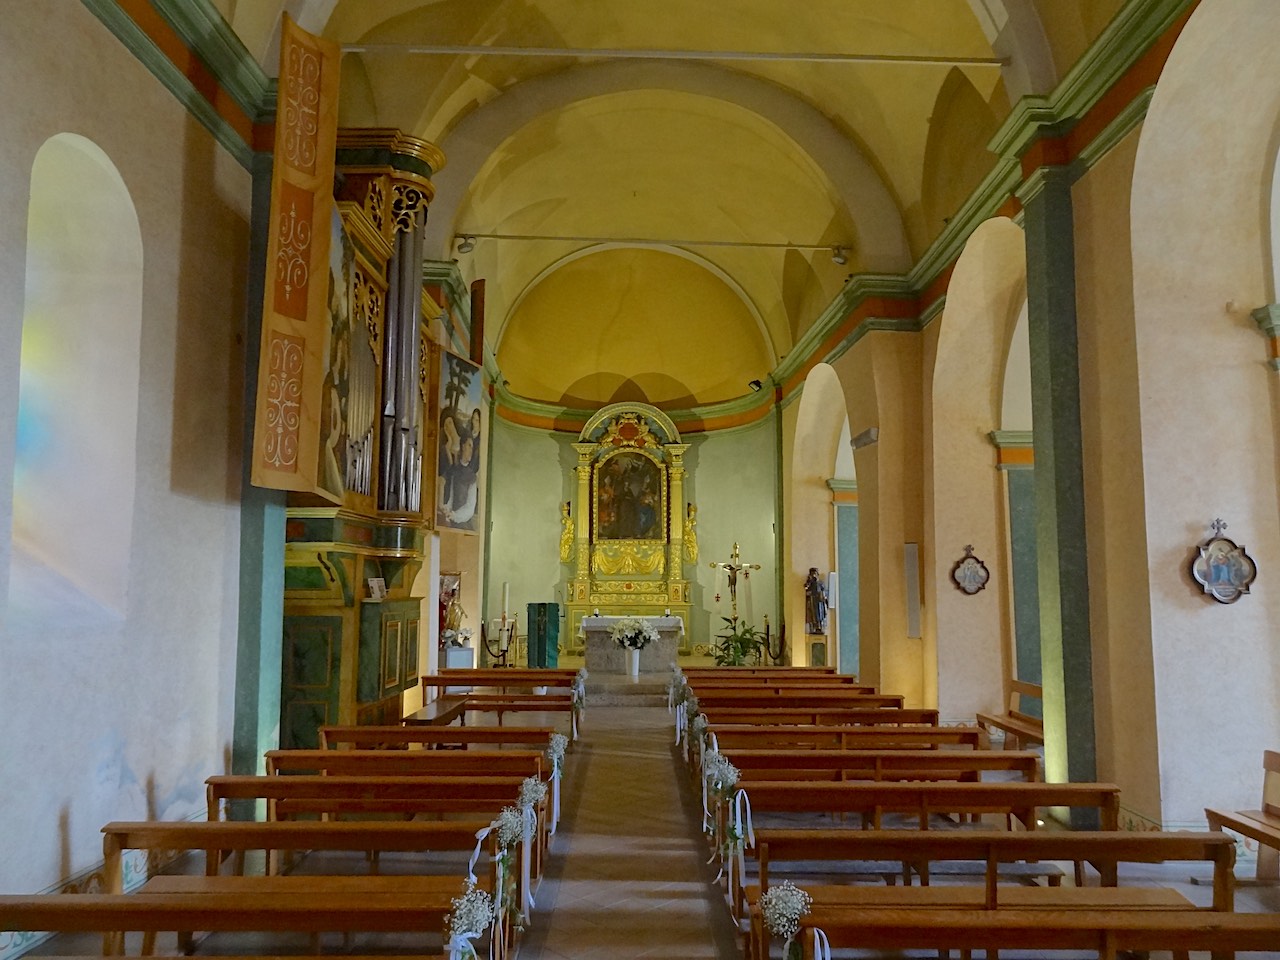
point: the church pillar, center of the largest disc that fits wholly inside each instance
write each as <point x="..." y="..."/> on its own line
<point x="678" y="591"/>
<point x="582" y="526"/>
<point x="1062" y="561"/>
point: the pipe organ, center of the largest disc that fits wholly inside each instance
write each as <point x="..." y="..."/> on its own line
<point x="348" y="655"/>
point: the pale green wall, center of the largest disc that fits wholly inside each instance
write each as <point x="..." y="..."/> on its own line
<point x="731" y="478"/>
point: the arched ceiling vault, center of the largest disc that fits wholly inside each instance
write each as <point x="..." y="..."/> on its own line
<point x="771" y="128"/>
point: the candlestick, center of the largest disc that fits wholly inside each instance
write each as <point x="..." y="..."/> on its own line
<point x="506" y="597"/>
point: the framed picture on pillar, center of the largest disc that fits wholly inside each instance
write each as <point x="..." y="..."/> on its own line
<point x="460" y="442"/>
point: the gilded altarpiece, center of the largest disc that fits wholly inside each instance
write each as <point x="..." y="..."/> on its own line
<point x="627" y="517"/>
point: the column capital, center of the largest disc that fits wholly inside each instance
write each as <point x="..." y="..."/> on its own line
<point x="1043" y="178"/>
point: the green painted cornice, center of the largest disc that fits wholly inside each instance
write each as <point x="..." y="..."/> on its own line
<point x="211" y="38"/>
<point x="174" y="80"/>
<point x="861" y="287"/>
<point x="991" y="194"/>
<point x="1268" y="320"/>
<point x="933" y="311"/>
<point x="1115" y="131"/>
<point x="1129" y="35"/>
<point x="1011" y="439"/>
<point x="1042" y="177"/>
<point x="445" y="273"/>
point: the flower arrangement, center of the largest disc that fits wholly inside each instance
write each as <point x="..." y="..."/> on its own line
<point x="781" y="907"/>
<point x="722" y="774"/>
<point x="633" y="633"/>
<point x="473" y="914"/>
<point x="532" y="792"/>
<point x="555" y="753"/>
<point x="512" y="826"/>
<point x="698" y="728"/>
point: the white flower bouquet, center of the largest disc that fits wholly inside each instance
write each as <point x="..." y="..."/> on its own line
<point x="633" y="633"/>
<point x="532" y="792"/>
<point x="473" y="914"/>
<point x="555" y="752"/>
<point x="781" y="907"/>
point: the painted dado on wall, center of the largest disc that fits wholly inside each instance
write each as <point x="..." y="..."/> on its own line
<point x="731" y="477"/>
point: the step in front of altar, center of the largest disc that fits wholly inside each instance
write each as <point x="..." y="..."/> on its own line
<point x="620" y="690"/>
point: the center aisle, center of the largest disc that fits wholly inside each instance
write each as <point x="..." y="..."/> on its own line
<point x="626" y="876"/>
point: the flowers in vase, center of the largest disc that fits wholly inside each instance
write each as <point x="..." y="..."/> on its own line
<point x="633" y="633"/>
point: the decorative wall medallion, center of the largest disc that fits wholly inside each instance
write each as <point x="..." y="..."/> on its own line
<point x="1222" y="568"/>
<point x="970" y="574"/>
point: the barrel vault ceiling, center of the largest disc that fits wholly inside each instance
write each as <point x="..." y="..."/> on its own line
<point x="660" y="190"/>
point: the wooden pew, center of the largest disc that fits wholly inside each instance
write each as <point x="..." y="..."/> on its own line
<point x="769" y="685"/>
<point x="993" y="850"/>
<point x="501" y="677"/>
<point x="1263" y="825"/>
<point x="377" y="737"/>
<point x="801" y="699"/>
<point x="759" y="671"/>
<point x="407" y="763"/>
<point x="154" y="913"/>
<point x="1106" y="932"/>
<point x="1020" y="728"/>
<point x="288" y="796"/>
<point x="1019" y="801"/>
<point x="966" y="765"/>
<point x="811" y="737"/>
<point x="217" y="838"/>
<point x="824" y="717"/>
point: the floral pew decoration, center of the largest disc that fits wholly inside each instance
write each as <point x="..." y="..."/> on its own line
<point x="473" y="914"/>
<point x="730" y="826"/>
<point x="674" y="686"/>
<point x="578" y="690"/>
<point x="781" y="907"/>
<point x="555" y="760"/>
<point x="515" y="827"/>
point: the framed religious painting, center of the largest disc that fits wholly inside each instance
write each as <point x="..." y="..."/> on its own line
<point x="459" y="444"/>
<point x="1222" y="568"/>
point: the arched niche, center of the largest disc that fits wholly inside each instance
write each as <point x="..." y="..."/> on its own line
<point x="74" y="468"/>
<point x="973" y="632"/>
<point x="821" y="421"/>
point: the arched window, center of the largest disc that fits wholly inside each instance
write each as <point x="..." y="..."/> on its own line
<point x="74" y="466"/>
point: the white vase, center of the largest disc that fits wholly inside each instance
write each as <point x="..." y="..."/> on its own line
<point x="633" y="663"/>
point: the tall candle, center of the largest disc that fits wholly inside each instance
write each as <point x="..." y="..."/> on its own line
<point x="506" y="597"/>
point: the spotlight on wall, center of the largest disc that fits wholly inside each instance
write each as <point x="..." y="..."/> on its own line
<point x="466" y="244"/>
<point x="756" y="385"/>
<point x="838" y="256"/>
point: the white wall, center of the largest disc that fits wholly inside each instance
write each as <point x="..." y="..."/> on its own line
<point x="125" y="719"/>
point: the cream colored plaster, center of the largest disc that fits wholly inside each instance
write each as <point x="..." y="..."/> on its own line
<point x="811" y="540"/>
<point x="1015" y="404"/>
<point x="974" y="632"/>
<point x="881" y="378"/>
<point x="1207" y="398"/>
<point x="929" y="341"/>
<point x="131" y="736"/>
<point x="1111" y="430"/>
<point x="632" y="324"/>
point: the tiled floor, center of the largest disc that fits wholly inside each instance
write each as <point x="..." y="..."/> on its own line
<point x="627" y="876"/>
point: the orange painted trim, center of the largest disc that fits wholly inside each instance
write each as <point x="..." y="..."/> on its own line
<point x="436" y="292"/>
<point x="892" y="308"/>
<point x="1010" y="208"/>
<point x="563" y="424"/>
<point x="1144" y="73"/>
<point x="844" y="496"/>
<point x="698" y="425"/>
<point x="1273" y="347"/>
<point x="1016" y="456"/>
<point x="205" y="82"/>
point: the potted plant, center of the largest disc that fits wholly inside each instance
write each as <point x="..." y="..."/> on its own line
<point x="739" y="643"/>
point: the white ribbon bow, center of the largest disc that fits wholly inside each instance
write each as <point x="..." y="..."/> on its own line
<point x="821" y="945"/>
<point x="475" y="854"/>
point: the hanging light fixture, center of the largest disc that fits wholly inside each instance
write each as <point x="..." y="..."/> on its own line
<point x="466" y="244"/>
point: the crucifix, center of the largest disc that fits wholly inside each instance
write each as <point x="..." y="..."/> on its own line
<point x="734" y="567"/>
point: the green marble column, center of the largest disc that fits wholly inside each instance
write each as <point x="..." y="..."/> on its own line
<point x="262" y="515"/>
<point x="1061" y="555"/>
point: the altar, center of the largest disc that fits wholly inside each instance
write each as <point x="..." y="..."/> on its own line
<point x="605" y="656"/>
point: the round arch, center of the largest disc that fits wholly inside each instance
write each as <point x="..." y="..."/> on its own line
<point x="964" y="496"/>
<point x="1199" y="218"/>
<point x="821" y="421"/>
<point x="881" y="237"/>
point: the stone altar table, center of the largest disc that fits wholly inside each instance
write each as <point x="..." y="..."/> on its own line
<point x="607" y="657"/>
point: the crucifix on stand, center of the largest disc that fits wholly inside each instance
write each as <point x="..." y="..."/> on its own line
<point x="732" y="569"/>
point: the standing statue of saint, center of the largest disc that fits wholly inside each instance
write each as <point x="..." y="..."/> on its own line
<point x="566" y="533"/>
<point x="691" y="534"/>
<point x="815" y="603"/>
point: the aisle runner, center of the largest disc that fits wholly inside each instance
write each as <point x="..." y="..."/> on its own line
<point x="627" y="876"/>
